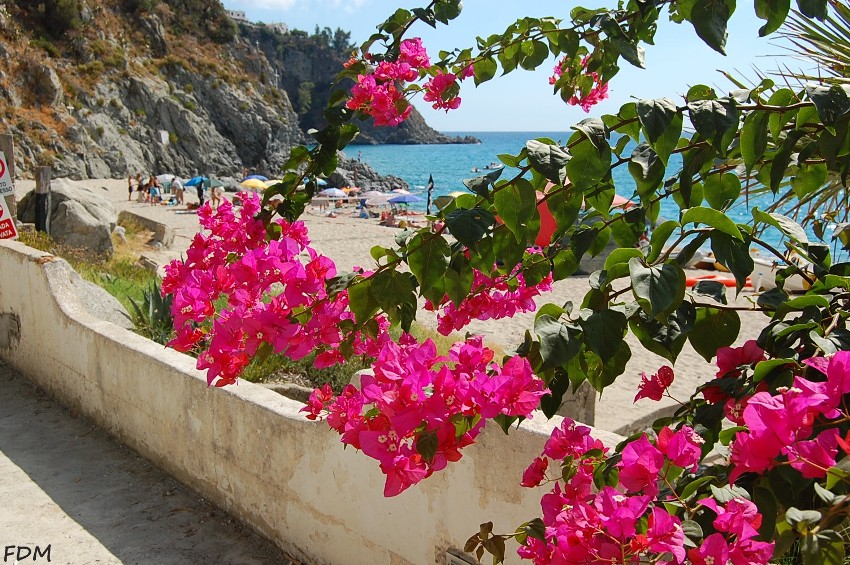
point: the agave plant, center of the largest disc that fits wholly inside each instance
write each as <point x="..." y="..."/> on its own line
<point x="152" y="317"/>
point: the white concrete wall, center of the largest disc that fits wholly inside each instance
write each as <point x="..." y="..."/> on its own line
<point x="248" y="449"/>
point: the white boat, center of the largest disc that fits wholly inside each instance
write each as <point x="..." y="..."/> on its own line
<point x="764" y="276"/>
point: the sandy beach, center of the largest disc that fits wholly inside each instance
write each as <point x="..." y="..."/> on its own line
<point x="347" y="240"/>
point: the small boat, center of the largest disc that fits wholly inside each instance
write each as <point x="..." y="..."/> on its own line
<point x="493" y="166"/>
<point x="764" y="276"/>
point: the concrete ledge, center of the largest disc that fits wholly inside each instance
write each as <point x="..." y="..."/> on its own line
<point x="248" y="449"/>
<point x="162" y="233"/>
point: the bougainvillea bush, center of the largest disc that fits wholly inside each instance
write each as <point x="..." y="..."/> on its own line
<point x="752" y="467"/>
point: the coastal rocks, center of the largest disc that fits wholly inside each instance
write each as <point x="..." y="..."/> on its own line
<point x="44" y="84"/>
<point x="99" y="303"/>
<point x="412" y="131"/>
<point x="155" y="34"/>
<point x="351" y="172"/>
<point x="79" y="216"/>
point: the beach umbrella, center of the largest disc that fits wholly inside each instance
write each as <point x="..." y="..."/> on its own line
<point x="404" y="199"/>
<point x="194" y="181"/>
<point x="254" y="183"/>
<point x="400" y="191"/>
<point x="373" y="194"/>
<point x="332" y="193"/>
<point x="257" y="177"/>
<point x="350" y="189"/>
<point x="215" y="183"/>
<point x="380" y="200"/>
<point x="321" y="182"/>
<point x="165" y="178"/>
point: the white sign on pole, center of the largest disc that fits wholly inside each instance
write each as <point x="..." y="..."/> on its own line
<point x="6" y="186"/>
<point x="7" y="224"/>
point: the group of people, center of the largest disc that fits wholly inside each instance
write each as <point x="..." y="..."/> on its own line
<point x="153" y="191"/>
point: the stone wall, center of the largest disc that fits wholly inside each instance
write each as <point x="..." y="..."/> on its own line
<point x="246" y="448"/>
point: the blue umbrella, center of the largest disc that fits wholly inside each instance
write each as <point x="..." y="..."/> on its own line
<point x="258" y="177"/>
<point x="321" y="182"/>
<point x="404" y="199"/>
<point x="194" y="181"/>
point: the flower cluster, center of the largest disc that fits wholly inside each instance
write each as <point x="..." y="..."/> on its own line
<point x="418" y="410"/>
<point x="492" y="298"/>
<point x="597" y="93"/>
<point x="795" y="424"/>
<point x="584" y="524"/>
<point x="381" y="93"/>
<point x="734" y="541"/>
<point x="236" y="291"/>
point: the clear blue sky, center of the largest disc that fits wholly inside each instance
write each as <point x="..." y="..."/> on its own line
<point x="523" y="101"/>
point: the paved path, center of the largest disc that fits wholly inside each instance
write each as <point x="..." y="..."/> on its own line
<point x="66" y="485"/>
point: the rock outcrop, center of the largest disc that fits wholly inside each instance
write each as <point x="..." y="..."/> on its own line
<point x="79" y="216"/>
<point x="351" y="172"/>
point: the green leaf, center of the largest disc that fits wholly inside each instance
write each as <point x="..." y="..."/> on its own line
<point x="733" y="254"/>
<point x="662" y="125"/>
<point x="831" y="102"/>
<point x="715" y="290"/>
<point x="533" y="54"/>
<point x="588" y="164"/>
<point x="754" y="138"/>
<point x="709" y="18"/>
<point x="428" y="259"/>
<point x="809" y="178"/>
<point x="665" y="339"/>
<point x="548" y="159"/>
<point x="603" y="331"/>
<point x="774" y="11"/>
<point x="516" y="205"/>
<point x="426" y="445"/>
<point x="621" y="255"/>
<point x="361" y="301"/>
<point x="601" y="373"/>
<point x="556" y="344"/>
<point x="468" y="226"/>
<point x="714" y="218"/>
<point x="485" y="69"/>
<point x="692" y="530"/>
<point x="716" y="121"/>
<point x="813" y="8"/>
<point x="783" y="223"/>
<point x="712" y="330"/>
<point x="659" y="238"/>
<point x="721" y="191"/>
<point x="658" y="289"/>
<point x="782" y="158"/>
<point x="646" y="168"/>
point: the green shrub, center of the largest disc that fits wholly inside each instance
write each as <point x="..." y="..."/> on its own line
<point x="60" y="16"/>
<point x="47" y="45"/>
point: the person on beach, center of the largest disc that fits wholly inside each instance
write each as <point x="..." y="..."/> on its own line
<point x="215" y="197"/>
<point x="177" y="189"/>
<point x="201" y="193"/>
<point x="131" y="184"/>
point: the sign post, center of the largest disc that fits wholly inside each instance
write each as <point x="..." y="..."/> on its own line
<point x="7" y="223"/>
<point x="7" y="153"/>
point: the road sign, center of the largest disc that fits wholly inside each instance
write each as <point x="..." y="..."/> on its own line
<point x="7" y="224"/>
<point x="6" y="186"/>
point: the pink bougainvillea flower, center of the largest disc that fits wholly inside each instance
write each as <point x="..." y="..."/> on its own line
<point x="730" y="359"/>
<point x="535" y="473"/>
<point x="682" y="448"/>
<point x="655" y="386"/>
<point x="640" y="466"/>
<point x="413" y="53"/>
<point x="713" y="551"/>
<point x="436" y="91"/>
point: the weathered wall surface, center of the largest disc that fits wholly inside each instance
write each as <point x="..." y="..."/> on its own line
<point x="246" y="448"/>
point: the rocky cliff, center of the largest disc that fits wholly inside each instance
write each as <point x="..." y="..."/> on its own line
<point x="104" y="88"/>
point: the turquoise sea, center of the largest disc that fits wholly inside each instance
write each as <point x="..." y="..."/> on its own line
<point x="450" y="164"/>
